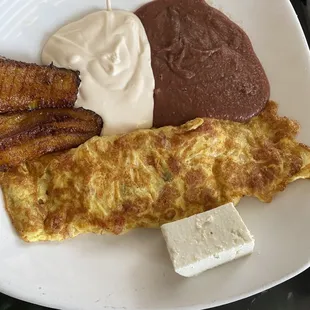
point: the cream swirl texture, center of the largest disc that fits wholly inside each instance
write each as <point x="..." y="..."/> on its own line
<point x="112" y="53"/>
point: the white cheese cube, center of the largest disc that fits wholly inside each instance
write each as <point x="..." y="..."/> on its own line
<point x="207" y="240"/>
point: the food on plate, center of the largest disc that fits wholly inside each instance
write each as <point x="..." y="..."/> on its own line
<point x="207" y="240"/>
<point x="25" y="86"/>
<point x="30" y="134"/>
<point x="112" y="53"/>
<point x="204" y="64"/>
<point x="151" y="177"/>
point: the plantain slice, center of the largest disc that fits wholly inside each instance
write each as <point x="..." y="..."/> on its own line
<point x="13" y="123"/>
<point x="26" y="86"/>
<point x="28" y="135"/>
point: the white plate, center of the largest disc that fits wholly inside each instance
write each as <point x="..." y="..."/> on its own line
<point x="134" y="271"/>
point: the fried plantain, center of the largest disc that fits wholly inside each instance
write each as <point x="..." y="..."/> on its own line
<point x="26" y="86"/>
<point x="30" y="134"/>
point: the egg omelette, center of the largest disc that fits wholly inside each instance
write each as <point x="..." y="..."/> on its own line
<point x="150" y="177"/>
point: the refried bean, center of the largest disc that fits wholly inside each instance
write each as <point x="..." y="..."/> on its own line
<point x="204" y="64"/>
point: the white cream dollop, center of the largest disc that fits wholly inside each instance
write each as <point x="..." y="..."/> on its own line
<point x="112" y="53"/>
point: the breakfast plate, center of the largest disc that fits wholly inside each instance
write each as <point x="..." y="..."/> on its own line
<point x="133" y="271"/>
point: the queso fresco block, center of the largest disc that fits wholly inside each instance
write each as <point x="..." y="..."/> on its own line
<point x="207" y="240"/>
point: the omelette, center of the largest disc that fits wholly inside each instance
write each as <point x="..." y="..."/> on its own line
<point x="150" y="177"/>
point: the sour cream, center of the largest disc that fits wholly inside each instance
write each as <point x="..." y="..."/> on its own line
<point x="111" y="50"/>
